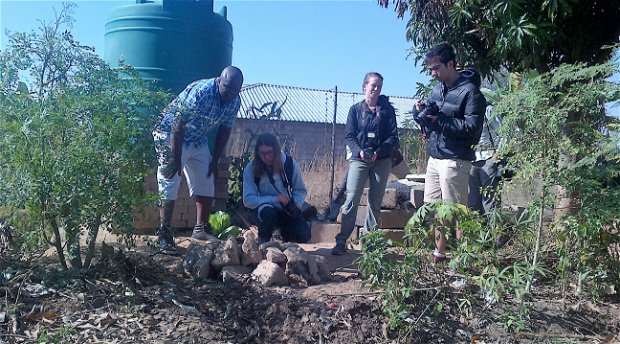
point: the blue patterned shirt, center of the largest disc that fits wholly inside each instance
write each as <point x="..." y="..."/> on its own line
<point x="199" y="106"/>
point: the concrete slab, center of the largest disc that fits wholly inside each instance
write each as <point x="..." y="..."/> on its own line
<point x="342" y="264"/>
<point x="390" y="199"/>
<point x="394" y="234"/>
<point x="416" y="196"/>
<point x="390" y="218"/>
<point x="326" y="233"/>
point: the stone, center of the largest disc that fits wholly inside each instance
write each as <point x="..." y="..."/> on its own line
<point x="192" y="255"/>
<point x="285" y="245"/>
<point x="297" y="263"/>
<point x="313" y="269"/>
<point x="212" y="243"/>
<point x="203" y="268"/>
<point x="199" y="250"/>
<point x="274" y="255"/>
<point x="268" y="244"/>
<point x="268" y="273"/>
<point x="323" y="267"/>
<point x="251" y="255"/>
<point x="235" y="273"/>
<point x="226" y="254"/>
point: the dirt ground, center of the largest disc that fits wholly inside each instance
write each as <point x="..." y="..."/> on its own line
<point x="132" y="297"/>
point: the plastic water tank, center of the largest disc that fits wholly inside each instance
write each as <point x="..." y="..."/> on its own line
<point x="173" y="42"/>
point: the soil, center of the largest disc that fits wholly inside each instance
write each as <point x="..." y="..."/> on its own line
<point x="133" y="297"/>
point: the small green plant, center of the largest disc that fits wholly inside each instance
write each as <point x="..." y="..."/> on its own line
<point x="61" y="336"/>
<point x="409" y="294"/>
<point x="221" y="225"/>
<point x="518" y="320"/>
<point x="396" y="278"/>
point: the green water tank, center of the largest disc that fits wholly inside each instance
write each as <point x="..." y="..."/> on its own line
<point x="173" y="42"/>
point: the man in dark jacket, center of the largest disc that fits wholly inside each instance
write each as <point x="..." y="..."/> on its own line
<point x="451" y="118"/>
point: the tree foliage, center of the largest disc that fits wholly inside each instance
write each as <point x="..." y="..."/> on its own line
<point x="536" y="117"/>
<point x="514" y="34"/>
<point x="74" y="140"/>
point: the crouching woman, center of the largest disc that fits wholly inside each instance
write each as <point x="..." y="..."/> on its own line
<point x="273" y="186"/>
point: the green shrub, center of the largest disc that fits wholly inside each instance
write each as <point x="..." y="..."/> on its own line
<point x="75" y="140"/>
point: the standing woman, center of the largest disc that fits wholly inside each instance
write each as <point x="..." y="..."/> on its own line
<point x="273" y="186"/>
<point x="371" y="137"/>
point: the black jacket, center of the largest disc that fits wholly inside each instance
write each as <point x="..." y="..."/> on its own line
<point x="361" y="121"/>
<point x="460" y="119"/>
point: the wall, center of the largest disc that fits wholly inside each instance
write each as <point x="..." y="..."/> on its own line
<point x="307" y="142"/>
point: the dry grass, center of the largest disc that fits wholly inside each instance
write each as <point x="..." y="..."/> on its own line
<point x="317" y="176"/>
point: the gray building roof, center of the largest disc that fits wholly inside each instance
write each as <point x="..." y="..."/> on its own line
<point x="309" y="105"/>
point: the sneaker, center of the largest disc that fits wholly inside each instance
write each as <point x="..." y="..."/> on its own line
<point x="339" y="249"/>
<point x="202" y="232"/>
<point x="166" y="241"/>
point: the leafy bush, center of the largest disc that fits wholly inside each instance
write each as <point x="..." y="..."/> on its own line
<point x="410" y="293"/>
<point x="74" y="139"/>
<point x="560" y="136"/>
<point x="563" y="139"/>
<point x="221" y="225"/>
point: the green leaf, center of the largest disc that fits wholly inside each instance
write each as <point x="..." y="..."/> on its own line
<point x="230" y="231"/>
<point x="219" y="222"/>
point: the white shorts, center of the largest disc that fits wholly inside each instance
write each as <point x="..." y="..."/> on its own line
<point x="447" y="179"/>
<point x="195" y="162"/>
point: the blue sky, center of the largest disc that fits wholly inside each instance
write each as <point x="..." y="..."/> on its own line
<point x="314" y="44"/>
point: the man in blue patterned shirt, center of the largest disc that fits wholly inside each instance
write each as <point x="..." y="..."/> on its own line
<point x="190" y="138"/>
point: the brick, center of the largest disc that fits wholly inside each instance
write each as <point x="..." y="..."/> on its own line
<point x="180" y="224"/>
<point x="186" y="216"/>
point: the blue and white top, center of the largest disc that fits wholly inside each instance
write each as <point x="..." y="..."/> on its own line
<point x="200" y="107"/>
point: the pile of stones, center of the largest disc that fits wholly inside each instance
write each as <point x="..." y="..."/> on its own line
<point x="271" y="264"/>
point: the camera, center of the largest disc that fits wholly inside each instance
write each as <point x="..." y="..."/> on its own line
<point x="292" y="210"/>
<point x="370" y="144"/>
<point x="429" y="108"/>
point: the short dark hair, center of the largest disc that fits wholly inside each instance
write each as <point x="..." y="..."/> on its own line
<point x="369" y="74"/>
<point x="442" y="51"/>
